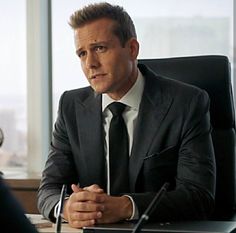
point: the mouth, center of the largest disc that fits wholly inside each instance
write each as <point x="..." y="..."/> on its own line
<point x="97" y="76"/>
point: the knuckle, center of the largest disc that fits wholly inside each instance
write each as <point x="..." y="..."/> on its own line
<point x="99" y="207"/>
<point x="85" y="216"/>
<point x="76" y="224"/>
<point x="100" y="198"/>
<point x="95" y="186"/>
<point x="84" y="195"/>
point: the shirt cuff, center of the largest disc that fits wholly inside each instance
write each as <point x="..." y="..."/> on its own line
<point x="56" y="211"/>
<point x="135" y="213"/>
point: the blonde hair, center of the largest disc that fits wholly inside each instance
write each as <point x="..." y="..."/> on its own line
<point x="124" y="27"/>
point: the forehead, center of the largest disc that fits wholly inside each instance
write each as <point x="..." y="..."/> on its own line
<point x="95" y="31"/>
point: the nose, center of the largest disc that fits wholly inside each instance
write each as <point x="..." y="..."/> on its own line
<point x="92" y="60"/>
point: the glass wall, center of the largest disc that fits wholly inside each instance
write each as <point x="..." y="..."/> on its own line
<point x="165" y="28"/>
<point x="13" y="102"/>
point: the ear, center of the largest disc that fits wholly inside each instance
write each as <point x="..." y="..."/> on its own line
<point x="133" y="47"/>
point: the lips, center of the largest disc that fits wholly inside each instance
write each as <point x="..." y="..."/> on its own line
<point x="95" y="76"/>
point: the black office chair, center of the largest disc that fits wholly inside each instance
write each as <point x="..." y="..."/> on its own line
<point x="211" y="73"/>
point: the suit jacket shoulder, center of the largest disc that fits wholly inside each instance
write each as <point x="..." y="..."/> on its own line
<point x="166" y="85"/>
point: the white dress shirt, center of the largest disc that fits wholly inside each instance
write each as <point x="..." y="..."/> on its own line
<point x="132" y="101"/>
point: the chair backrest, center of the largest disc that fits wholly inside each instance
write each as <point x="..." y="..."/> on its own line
<point x="211" y="73"/>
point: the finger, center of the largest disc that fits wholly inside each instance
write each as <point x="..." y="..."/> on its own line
<point x="94" y="188"/>
<point x="81" y="224"/>
<point x="88" y="196"/>
<point x="84" y="216"/>
<point x="76" y="188"/>
<point x="88" y="206"/>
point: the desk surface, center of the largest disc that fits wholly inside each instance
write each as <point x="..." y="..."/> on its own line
<point x="65" y="229"/>
<point x="46" y="226"/>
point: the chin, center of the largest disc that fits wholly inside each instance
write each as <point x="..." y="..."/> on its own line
<point x="99" y="90"/>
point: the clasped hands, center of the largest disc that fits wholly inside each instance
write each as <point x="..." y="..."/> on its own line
<point x="89" y="205"/>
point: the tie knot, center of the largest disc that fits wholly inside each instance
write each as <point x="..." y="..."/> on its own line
<point x="116" y="108"/>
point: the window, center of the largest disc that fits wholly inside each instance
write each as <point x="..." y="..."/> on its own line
<point x="165" y="28"/>
<point x="13" y="102"/>
<point x="25" y="76"/>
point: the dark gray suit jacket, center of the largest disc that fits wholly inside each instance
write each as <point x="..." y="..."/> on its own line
<point x="172" y="142"/>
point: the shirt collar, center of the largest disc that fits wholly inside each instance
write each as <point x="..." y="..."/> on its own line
<point x="132" y="98"/>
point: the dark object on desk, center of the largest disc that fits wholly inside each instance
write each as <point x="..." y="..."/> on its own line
<point x="12" y="216"/>
<point x="211" y="73"/>
<point x="145" y="216"/>
<point x="60" y="209"/>
<point x="175" y="227"/>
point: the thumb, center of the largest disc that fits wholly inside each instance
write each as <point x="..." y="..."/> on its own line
<point x="76" y="188"/>
<point x="94" y="188"/>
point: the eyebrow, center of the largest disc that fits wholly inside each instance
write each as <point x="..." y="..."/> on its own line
<point x="93" y="45"/>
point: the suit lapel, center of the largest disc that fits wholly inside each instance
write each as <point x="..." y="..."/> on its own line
<point x="153" y="108"/>
<point x="89" y="119"/>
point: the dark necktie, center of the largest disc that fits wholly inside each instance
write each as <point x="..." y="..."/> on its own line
<point x="118" y="151"/>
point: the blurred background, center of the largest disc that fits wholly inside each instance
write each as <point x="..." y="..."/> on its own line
<point x="38" y="61"/>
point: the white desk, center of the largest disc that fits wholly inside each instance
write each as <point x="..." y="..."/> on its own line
<point x="65" y="229"/>
<point x="46" y="226"/>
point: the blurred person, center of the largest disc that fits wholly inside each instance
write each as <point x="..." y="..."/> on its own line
<point x="12" y="214"/>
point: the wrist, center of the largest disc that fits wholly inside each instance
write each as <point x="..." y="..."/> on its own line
<point x="127" y="207"/>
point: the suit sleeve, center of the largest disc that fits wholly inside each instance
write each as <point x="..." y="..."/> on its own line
<point x="59" y="167"/>
<point x="193" y="195"/>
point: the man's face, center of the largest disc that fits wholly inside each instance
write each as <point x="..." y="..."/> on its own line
<point x="109" y="67"/>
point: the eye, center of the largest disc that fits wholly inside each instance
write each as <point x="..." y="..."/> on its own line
<point x="81" y="54"/>
<point x="100" y="48"/>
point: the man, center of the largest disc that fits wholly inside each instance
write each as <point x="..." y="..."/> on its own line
<point x="168" y="130"/>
